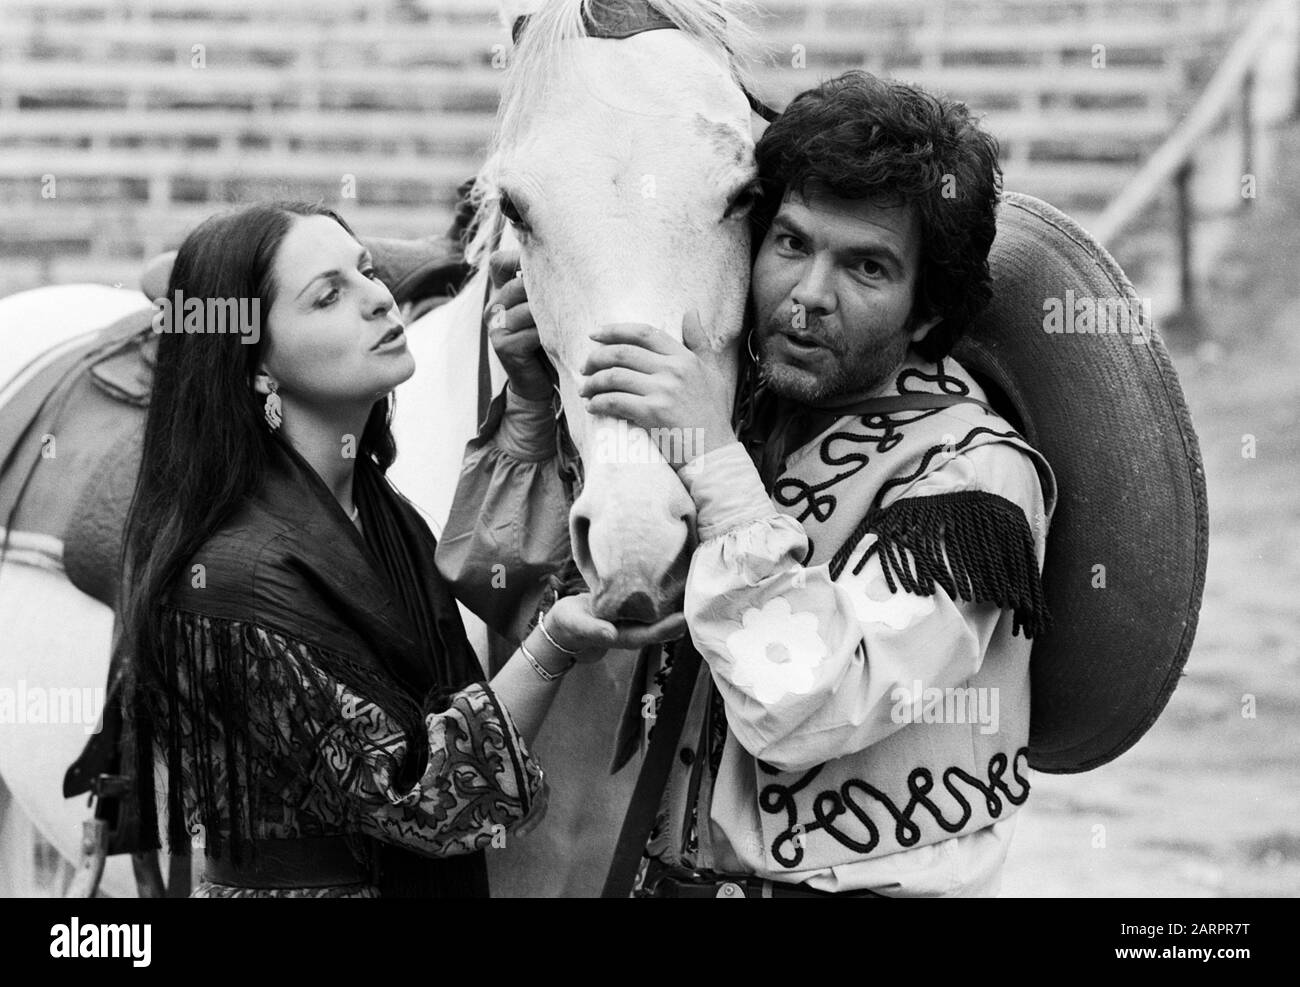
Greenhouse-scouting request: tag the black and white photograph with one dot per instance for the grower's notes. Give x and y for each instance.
(650, 449)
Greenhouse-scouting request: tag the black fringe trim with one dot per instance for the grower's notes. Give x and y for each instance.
(975, 545)
(216, 711)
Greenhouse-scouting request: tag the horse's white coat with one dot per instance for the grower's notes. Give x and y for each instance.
(52, 636)
(623, 174)
(437, 408)
(437, 412)
(37, 323)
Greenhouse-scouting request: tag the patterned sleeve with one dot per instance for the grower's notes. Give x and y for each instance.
(508, 528)
(809, 663)
(478, 780)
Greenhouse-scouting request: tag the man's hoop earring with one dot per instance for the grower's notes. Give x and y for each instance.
(749, 345)
(273, 409)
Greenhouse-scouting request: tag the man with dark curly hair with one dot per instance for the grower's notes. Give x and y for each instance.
(883, 154)
(867, 577)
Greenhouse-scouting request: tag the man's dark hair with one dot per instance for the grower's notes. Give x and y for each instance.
(861, 137)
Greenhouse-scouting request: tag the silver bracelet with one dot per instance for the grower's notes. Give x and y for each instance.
(541, 622)
(538, 667)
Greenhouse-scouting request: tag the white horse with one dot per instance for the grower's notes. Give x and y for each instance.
(53, 637)
(624, 166)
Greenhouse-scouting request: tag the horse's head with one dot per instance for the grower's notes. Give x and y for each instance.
(625, 168)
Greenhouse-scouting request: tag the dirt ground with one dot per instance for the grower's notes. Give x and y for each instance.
(1206, 804)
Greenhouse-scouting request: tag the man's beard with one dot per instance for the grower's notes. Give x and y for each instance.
(854, 373)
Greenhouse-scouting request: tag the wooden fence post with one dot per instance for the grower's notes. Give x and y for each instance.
(1183, 222)
(1247, 135)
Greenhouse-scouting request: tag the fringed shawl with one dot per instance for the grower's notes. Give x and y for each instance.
(375, 615)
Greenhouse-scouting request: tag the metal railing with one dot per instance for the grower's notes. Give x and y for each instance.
(1230, 92)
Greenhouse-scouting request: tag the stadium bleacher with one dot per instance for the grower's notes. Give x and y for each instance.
(151, 114)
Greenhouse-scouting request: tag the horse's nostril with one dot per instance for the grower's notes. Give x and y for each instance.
(638, 607)
(580, 544)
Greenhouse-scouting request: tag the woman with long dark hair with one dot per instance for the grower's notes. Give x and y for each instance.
(298, 666)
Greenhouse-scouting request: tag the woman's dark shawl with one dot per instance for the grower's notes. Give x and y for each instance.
(374, 609)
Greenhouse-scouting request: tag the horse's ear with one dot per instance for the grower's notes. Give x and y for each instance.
(156, 274)
(509, 10)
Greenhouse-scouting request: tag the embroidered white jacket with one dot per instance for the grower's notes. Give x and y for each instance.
(876, 739)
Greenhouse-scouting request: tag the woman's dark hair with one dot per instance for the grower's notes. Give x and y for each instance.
(861, 137)
(206, 445)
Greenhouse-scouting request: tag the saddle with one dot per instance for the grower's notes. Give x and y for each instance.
(90, 400)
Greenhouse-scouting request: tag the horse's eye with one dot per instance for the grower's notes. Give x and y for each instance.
(511, 212)
(744, 201)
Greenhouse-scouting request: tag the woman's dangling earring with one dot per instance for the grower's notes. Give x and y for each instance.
(273, 409)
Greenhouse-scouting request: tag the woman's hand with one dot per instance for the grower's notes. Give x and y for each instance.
(574, 627)
(528, 691)
(512, 331)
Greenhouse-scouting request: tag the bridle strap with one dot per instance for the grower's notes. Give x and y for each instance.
(642, 810)
(890, 404)
(484, 362)
(759, 107)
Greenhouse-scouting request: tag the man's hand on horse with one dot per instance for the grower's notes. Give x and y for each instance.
(512, 331)
(645, 376)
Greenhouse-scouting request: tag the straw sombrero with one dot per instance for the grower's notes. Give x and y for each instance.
(1127, 546)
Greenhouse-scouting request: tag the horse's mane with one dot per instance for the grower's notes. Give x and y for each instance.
(536, 64)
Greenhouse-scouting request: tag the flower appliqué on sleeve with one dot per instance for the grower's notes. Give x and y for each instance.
(776, 651)
(873, 600)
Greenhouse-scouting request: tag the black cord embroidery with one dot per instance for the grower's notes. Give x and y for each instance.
(885, 433)
(947, 384)
(939, 450)
(790, 491)
(830, 805)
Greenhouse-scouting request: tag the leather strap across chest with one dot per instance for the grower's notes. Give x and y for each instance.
(903, 402)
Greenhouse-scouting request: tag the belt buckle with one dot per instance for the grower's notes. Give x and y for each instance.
(723, 885)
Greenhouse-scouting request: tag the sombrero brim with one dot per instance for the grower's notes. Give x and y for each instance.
(1127, 546)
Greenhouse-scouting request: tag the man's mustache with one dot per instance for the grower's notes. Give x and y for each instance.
(816, 329)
